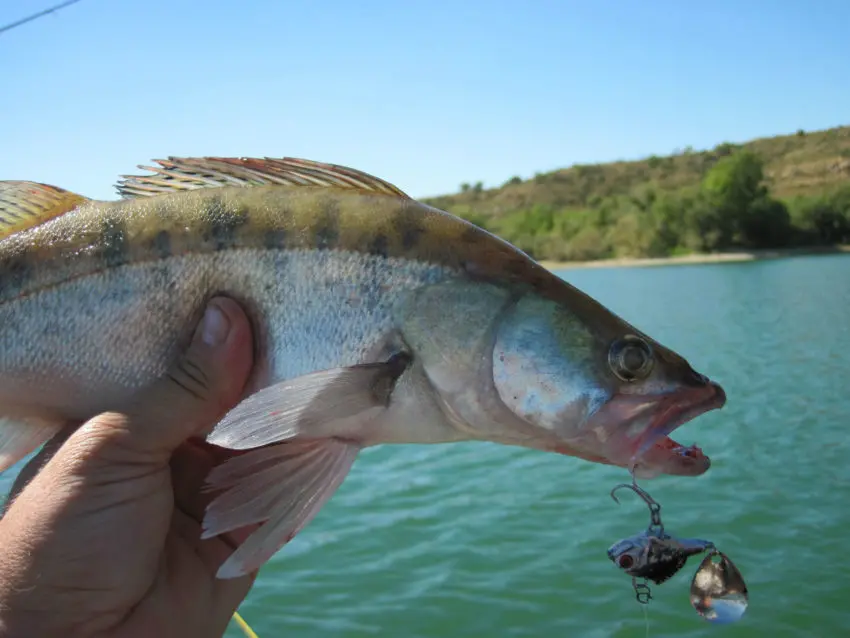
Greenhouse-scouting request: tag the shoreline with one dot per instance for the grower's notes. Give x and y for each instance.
(698, 258)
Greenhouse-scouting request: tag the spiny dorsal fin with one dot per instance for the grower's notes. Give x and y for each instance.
(189, 173)
(24, 205)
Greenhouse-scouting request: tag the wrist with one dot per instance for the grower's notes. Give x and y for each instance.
(29, 609)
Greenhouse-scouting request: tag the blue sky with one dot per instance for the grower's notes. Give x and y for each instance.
(426, 94)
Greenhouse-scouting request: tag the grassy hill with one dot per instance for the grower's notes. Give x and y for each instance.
(787, 190)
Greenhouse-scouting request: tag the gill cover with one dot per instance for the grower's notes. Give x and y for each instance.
(544, 366)
(449, 327)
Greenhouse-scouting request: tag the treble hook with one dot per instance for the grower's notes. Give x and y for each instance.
(642, 591)
(637, 489)
(651, 503)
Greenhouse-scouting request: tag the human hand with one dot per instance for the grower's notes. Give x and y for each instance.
(104, 539)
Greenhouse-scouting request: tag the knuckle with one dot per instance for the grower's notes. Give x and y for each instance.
(102, 428)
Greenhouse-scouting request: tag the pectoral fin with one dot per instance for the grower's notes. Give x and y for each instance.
(283, 487)
(323, 404)
(309, 426)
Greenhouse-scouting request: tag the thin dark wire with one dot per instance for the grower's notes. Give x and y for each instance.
(37, 15)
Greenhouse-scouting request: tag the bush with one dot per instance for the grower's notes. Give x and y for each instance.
(825, 219)
(731, 208)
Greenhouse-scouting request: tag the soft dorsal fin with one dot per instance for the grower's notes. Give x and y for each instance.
(189, 173)
(27, 204)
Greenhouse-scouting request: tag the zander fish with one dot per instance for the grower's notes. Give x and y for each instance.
(377, 319)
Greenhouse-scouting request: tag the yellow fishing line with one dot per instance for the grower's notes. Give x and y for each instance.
(244, 626)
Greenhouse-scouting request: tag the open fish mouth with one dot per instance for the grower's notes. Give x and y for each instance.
(636, 429)
(672, 412)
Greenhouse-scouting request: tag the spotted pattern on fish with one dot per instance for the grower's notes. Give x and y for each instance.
(410, 230)
(326, 228)
(223, 223)
(17, 270)
(230, 218)
(113, 246)
(274, 239)
(273, 217)
(161, 245)
(379, 245)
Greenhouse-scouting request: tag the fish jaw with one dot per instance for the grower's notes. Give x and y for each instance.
(632, 430)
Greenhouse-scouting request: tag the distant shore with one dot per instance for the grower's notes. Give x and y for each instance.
(698, 258)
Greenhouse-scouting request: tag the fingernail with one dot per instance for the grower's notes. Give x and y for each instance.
(214, 326)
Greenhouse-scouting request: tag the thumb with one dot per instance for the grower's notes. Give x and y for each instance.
(205, 382)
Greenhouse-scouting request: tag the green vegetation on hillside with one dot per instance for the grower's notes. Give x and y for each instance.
(769, 193)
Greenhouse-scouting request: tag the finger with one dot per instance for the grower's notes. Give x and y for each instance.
(190, 465)
(37, 462)
(225, 596)
(206, 381)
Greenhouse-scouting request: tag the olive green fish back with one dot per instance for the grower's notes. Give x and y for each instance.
(203, 205)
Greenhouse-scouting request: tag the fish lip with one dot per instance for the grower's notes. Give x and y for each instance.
(630, 430)
(675, 410)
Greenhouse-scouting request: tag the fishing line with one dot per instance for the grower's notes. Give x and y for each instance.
(40, 14)
(247, 629)
(646, 618)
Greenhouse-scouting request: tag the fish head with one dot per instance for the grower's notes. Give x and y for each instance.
(556, 371)
(597, 387)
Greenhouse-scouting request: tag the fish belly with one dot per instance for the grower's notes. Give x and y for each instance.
(84, 346)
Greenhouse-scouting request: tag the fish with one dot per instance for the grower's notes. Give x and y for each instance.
(377, 319)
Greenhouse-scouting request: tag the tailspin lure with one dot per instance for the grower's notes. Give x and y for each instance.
(718, 592)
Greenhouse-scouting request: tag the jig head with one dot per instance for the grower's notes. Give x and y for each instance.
(718, 592)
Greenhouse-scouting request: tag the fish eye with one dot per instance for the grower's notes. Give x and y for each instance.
(630, 358)
(625, 561)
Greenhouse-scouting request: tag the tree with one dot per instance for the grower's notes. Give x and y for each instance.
(766, 224)
(743, 212)
(735, 181)
(827, 217)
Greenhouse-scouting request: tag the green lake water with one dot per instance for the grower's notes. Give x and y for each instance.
(484, 540)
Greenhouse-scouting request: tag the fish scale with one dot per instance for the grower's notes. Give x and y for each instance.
(314, 310)
(229, 218)
(377, 319)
